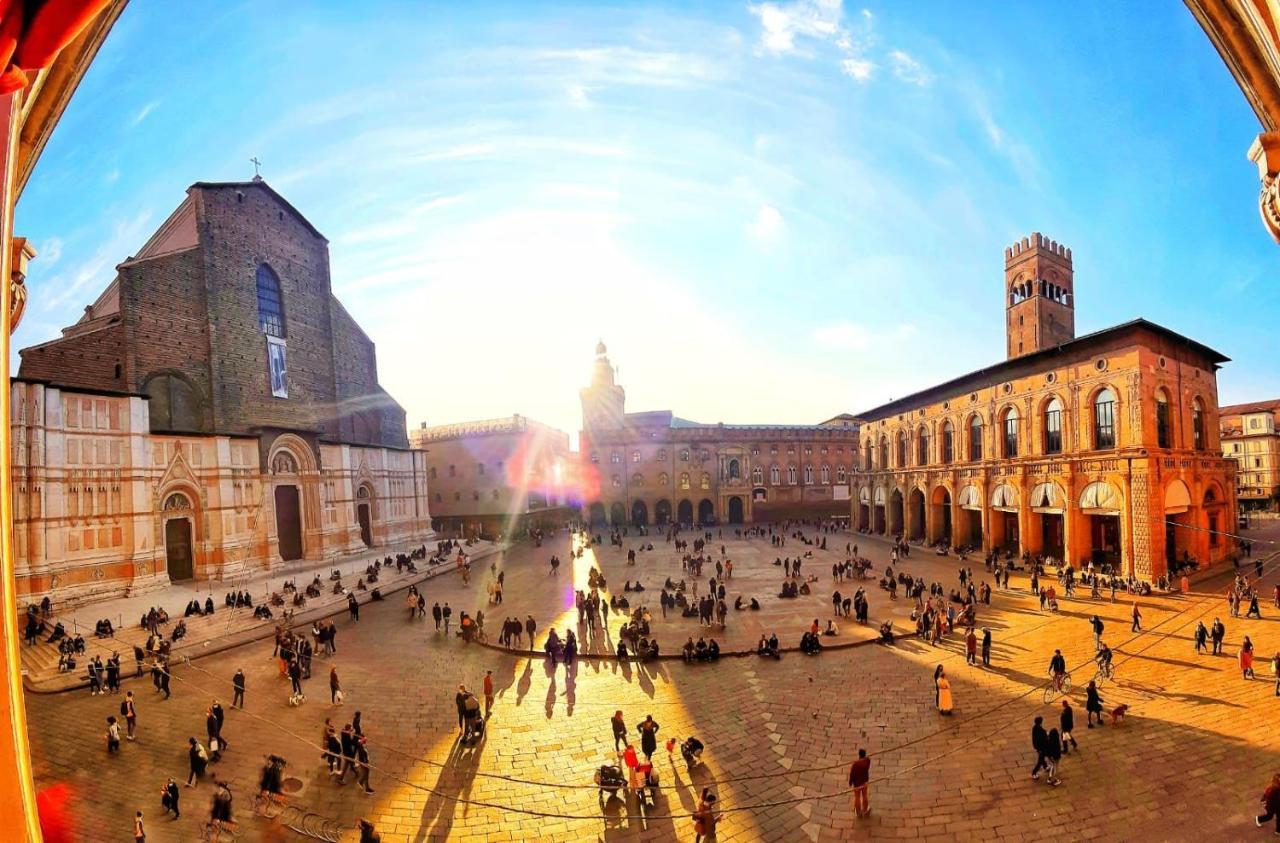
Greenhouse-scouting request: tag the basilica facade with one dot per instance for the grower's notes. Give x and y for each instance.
(1101, 447)
(215, 412)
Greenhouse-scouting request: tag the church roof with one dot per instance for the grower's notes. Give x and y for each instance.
(1270, 405)
(1002, 370)
(261, 183)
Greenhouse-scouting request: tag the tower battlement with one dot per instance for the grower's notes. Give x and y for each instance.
(1040, 295)
(1038, 242)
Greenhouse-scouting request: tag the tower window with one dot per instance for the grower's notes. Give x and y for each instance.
(270, 303)
(1164, 434)
(1053, 427)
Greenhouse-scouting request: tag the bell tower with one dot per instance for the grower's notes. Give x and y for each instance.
(603, 402)
(1040, 297)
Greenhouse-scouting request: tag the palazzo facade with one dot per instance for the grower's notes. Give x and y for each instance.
(215, 412)
(1102, 447)
(656, 468)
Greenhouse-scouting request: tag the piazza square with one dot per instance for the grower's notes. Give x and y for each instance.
(782, 421)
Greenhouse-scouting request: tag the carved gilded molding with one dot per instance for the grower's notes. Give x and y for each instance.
(1265, 152)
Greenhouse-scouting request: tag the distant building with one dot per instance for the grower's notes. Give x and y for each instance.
(216, 411)
(1100, 447)
(656, 468)
(1249, 437)
(498, 476)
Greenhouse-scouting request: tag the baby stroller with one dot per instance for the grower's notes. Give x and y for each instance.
(474, 720)
(609, 778)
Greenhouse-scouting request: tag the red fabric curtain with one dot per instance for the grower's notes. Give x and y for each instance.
(33, 32)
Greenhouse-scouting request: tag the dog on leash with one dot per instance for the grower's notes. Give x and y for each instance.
(1117, 714)
(299, 699)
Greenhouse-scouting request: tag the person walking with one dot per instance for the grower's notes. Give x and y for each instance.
(859, 780)
(1039, 739)
(129, 712)
(353, 606)
(295, 677)
(237, 684)
(436, 615)
(705, 817)
(1067, 722)
(530, 626)
(164, 677)
(169, 798)
(139, 833)
(971, 647)
(1202, 637)
(362, 764)
(448, 616)
(198, 758)
(1097, 625)
(113, 736)
(986, 647)
(1137, 619)
(1270, 804)
(1246, 659)
(648, 729)
(619, 731)
(1052, 757)
(1217, 634)
(1093, 703)
(488, 693)
(460, 700)
(335, 687)
(944, 694)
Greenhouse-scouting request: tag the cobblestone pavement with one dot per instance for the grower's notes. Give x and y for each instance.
(1188, 762)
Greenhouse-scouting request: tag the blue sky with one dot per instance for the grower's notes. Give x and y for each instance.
(771, 212)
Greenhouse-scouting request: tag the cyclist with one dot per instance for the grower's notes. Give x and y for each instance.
(1104, 659)
(220, 811)
(1057, 669)
(272, 779)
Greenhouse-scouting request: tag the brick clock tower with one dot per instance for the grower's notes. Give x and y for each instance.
(1040, 298)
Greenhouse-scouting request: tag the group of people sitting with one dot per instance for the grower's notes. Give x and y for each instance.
(643, 647)
(792, 589)
(237, 600)
(701, 651)
(768, 647)
(194, 608)
(154, 618)
(809, 643)
(627, 586)
(737, 603)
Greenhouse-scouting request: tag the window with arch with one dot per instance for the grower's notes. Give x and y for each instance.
(884, 453)
(975, 437)
(663, 479)
(1053, 426)
(684, 480)
(662, 455)
(271, 321)
(1164, 420)
(866, 456)
(617, 481)
(635, 456)
(1197, 425)
(826, 475)
(922, 446)
(684, 455)
(637, 480)
(841, 474)
(948, 443)
(704, 456)
(595, 458)
(706, 481)
(735, 470)
(775, 475)
(808, 474)
(902, 450)
(615, 457)
(791, 475)
(433, 472)
(1104, 419)
(1010, 430)
(757, 476)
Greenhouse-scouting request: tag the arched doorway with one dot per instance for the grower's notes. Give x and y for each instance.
(639, 514)
(596, 515)
(706, 512)
(617, 515)
(915, 531)
(970, 527)
(895, 513)
(877, 513)
(662, 513)
(735, 510)
(287, 495)
(179, 559)
(684, 512)
(364, 514)
(864, 508)
(1101, 503)
(941, 515)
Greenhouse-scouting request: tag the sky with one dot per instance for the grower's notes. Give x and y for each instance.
(771, 212)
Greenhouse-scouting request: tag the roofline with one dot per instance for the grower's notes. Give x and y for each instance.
(260, 182)
(890, 407)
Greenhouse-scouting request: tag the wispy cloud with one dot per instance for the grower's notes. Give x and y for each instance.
(786, 26)
(142, 113)
(1020, 156)
(50, 252)
(909, 69)
(859, 69)
(767, 223)
(96, 269)
(579, 96)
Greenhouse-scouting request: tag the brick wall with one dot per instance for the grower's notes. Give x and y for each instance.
(87, 360)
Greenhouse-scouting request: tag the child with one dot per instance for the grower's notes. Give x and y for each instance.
(113, 735)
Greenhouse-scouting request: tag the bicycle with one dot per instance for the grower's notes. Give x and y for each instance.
(269, 805)
(1052, 690)
(1106, 671)
(214, 831)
